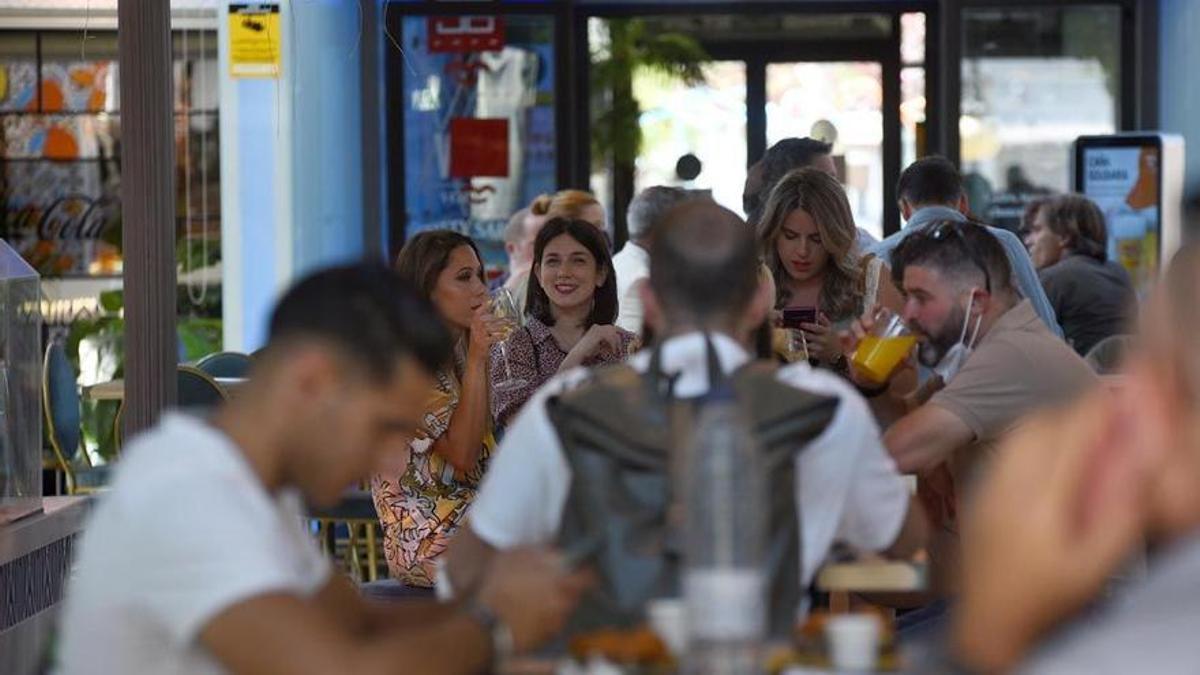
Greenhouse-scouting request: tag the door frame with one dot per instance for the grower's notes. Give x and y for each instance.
(886, 51)
(757, 55)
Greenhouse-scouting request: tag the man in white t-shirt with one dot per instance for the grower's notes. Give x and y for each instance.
(703, 279)
(196, 561)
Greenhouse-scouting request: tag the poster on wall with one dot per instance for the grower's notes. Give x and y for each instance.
(254, 38)
(478, 123)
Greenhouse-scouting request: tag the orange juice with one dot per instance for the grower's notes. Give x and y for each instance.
(876, 357)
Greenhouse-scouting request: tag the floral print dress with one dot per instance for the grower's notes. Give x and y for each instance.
(421, 509)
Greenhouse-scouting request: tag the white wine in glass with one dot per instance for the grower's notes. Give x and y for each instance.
(504, 307)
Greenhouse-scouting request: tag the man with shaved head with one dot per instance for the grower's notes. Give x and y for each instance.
(704, 293)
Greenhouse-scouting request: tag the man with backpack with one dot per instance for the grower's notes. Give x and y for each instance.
(704, 290)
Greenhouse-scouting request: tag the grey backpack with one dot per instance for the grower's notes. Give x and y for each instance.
(620, 433)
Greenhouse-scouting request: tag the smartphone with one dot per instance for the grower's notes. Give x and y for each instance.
(792, 318)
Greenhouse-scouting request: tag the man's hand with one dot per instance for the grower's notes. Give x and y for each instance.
(532, 592)
(1062, 508)
(848, 341)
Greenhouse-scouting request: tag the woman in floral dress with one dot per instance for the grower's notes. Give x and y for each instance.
(421, 506)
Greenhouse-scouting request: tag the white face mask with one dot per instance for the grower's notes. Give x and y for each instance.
(956, 357)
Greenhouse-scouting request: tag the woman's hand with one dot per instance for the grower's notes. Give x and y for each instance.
(487, 330)
(595, 341)
(823, 343)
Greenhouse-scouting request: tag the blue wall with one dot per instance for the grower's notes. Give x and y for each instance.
(292, 162)
(1179, 85)
(326, 97)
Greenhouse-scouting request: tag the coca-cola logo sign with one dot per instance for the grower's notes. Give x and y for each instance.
(61, 216)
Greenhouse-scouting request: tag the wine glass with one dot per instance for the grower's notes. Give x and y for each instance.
(503, 306)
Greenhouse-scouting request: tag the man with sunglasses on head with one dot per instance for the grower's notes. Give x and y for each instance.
(995, 361)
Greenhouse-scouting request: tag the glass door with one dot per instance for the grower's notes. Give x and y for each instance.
(691, 134)
(840, 103)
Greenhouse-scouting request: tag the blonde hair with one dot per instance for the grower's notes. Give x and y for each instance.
(822, 197)
(568, 204)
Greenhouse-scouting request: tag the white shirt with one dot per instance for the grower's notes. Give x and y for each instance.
(847, 486)
(186, 532)
(1148, 627)
(632, 265)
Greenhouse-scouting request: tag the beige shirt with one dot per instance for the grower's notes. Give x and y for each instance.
(1017, 368)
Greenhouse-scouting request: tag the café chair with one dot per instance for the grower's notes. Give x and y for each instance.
(1105, 356)
(197, 390)
(63, 417)
(355, 517)
(225, 364)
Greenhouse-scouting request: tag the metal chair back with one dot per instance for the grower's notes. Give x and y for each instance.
(225, 364)
(61, 411)
(197, 390)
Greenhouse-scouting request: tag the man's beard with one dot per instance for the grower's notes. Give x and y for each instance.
(935, 345)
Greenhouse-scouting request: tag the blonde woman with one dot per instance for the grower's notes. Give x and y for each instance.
(807, 237)
(572, 205)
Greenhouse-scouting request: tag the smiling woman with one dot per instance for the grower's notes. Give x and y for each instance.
(570, 310)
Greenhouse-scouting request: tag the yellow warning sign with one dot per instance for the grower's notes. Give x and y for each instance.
(254, 38)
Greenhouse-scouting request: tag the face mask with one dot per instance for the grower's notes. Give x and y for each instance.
(956, 357)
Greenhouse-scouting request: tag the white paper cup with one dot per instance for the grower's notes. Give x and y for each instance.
(853, 641)
(668, 619)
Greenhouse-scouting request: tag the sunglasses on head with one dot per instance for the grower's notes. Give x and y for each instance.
(954, 230)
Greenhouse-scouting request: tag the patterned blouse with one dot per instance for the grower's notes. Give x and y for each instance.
(535, 356)
(420, 509)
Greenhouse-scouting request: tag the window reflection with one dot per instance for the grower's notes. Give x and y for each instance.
(1032, 81)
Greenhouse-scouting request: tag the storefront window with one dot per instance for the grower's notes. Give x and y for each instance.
(913, 130)
(705, 122)
(1033, 79)
(60, 151)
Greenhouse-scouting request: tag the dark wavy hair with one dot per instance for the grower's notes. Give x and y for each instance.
(425, 256)
(604, 307)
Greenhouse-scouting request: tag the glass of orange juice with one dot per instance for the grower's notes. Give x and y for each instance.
(888, 344)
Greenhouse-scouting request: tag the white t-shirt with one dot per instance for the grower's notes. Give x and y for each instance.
(847, 486)
(186, 532)
(632, 265)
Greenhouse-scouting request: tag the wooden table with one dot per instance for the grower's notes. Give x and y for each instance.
(873, 576)
(114, 390)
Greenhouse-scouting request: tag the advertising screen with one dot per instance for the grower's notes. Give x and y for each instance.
(1125, 182)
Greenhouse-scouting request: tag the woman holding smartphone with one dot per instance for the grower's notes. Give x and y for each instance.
(807, 238)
